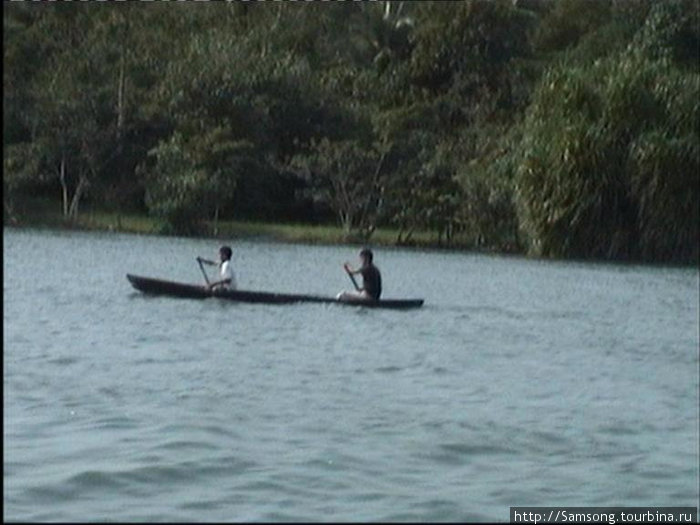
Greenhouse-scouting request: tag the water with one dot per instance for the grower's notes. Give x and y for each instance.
(519, 382)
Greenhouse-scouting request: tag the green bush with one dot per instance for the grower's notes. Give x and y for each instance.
(609, 164)
(666, 186)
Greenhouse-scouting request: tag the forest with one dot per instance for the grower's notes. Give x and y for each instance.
(553, 128)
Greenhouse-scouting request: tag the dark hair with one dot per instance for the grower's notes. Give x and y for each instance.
(226, 250)
(366, 252)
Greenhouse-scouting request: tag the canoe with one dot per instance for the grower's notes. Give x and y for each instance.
(152, 286)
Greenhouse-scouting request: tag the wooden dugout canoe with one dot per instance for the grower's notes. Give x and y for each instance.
(152, 286)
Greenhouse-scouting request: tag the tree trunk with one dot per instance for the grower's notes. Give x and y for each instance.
(75, 201)
(64, 186)
(346, 222)
(121, 86)
(120, 96)
(370, 206)
(404, 235)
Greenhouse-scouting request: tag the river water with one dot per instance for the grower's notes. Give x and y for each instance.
(520, 382)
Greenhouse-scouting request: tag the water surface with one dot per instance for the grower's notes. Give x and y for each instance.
(520, 382)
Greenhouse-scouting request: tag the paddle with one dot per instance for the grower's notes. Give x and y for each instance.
(352, 278)
(199, 260)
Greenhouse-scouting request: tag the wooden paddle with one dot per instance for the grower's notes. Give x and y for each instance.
(199, 260)
(352, 278)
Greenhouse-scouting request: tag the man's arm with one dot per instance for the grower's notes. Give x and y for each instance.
(207, 261)
(352, 272)
(349, 269)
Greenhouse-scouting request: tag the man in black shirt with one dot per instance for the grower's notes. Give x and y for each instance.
(371, 278)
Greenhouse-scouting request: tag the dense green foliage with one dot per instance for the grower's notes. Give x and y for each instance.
(609, 163)
(565, 128)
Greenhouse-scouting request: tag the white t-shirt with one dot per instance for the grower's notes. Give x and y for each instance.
(227, 273)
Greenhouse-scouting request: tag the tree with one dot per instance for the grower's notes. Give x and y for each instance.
(191, 180)
(73, 125)
(487, 210)
(77, 105)
(346, 175)
(609, 164)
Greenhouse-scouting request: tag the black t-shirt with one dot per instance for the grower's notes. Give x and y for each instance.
(372, 281)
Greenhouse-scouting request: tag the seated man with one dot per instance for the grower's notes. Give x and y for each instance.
(371, 279)
(228, 278)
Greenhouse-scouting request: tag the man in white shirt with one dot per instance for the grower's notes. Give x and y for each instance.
(228, 278)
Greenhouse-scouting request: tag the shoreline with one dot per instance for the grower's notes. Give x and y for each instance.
(293, 233)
